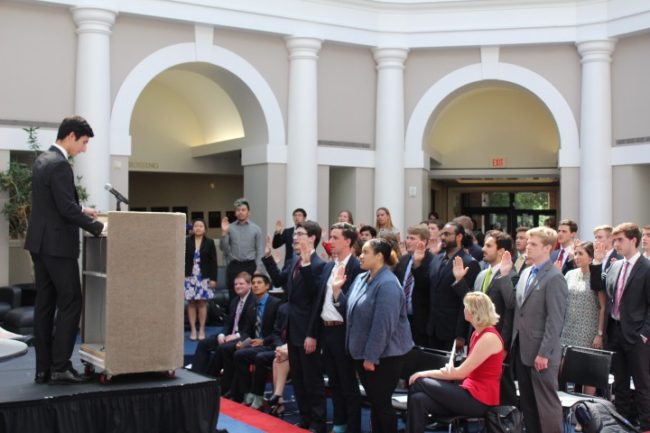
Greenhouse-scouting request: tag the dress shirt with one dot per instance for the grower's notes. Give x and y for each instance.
(243, 242)
(409, 298)
(494, 270)
(235, 326)
(630, 264)
(63, 151)
(330, 313)
(261, 305)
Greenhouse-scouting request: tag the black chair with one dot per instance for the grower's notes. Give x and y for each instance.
(582, 366)
(9, 299)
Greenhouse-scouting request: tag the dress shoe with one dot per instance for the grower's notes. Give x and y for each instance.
(318, 427)
(68, 376)
(42, 377)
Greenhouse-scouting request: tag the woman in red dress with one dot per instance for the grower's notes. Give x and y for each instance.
(436, 391)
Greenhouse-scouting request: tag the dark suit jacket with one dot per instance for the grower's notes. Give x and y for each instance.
(285, 238)
(446, 311)
(539, 316)
(420, 296)
(246, 326)
(56, 215)
(268, 319)
(279, 335)
(504, 326)
(208, 253)
(635, 302)
(568, 264)
(301, 294)
(352, 269)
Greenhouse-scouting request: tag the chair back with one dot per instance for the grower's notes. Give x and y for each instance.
(586, 366)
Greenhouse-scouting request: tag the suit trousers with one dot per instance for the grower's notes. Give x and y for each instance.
(307, 378)
(58, 289)
(419, 338)
(379, 386)
(539, 402)
(630, 361)
(439, 398)
(244, 382)
(232, 270)
(223, 360)
(339, 366)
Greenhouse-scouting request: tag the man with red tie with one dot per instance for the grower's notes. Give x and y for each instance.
(562, 257)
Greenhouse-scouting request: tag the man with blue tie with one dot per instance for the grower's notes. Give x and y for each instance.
(539, 302)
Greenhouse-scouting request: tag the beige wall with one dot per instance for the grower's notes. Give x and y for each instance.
(495, 122)
(264, 187)
(323, 197)
(631, 87)
(570, 193)
(197, 192)
(417, 206)
(4, 225)
(150, 34)
(559, 64)
(630, 194)
(352, 189)
(38, 53)
(266, 53)
(347, 84)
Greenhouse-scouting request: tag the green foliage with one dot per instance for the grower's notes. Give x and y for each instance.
(17, 181)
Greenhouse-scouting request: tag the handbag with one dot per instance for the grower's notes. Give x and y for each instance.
(504, 419)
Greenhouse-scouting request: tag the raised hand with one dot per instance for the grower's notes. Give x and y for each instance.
(338, 281)
(459, 269)
(225, 225)
(279, 226)
(268, 246)
(600, 251)
(305, 251)
(418, 254)
(506, 264)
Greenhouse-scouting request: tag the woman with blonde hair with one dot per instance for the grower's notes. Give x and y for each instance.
(384, 223)
(435, 392)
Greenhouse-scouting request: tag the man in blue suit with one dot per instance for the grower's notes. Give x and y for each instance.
(330, 326)
(301, 278)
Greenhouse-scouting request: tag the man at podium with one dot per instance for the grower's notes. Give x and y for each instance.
(53, 241)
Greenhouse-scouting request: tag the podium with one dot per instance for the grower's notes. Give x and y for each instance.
(132, 279)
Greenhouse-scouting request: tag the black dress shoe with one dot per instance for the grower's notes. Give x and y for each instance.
(68, 376)
(42, 377)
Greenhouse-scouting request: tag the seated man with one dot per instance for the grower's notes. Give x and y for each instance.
(250, 388)
(435, 391)
(239, 325)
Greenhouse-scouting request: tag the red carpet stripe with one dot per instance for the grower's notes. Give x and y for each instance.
(257, 419)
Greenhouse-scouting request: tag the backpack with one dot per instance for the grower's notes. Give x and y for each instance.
(600, 416)
(504, 419)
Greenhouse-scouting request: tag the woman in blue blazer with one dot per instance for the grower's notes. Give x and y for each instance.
(378, 332)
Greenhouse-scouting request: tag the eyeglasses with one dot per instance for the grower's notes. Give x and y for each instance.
(296, 234)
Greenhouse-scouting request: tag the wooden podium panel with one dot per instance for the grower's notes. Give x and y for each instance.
(134, 323)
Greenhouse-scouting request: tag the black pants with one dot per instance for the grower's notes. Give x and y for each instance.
(508, 396)
(441, 398)
(630, 361)
(208, 357)
(379, 386)
(307, 378)
(58, 289)
(262, 358)
(233, 269)
(339, 367)
(420, 338)
(539, 402)
(440, 344)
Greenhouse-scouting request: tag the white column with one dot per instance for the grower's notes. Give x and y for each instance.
(595, 136)
(302, 134)
(93, 99)
(389, 137)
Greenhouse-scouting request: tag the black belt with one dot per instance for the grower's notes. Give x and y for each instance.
(330, 323)
(242, 262)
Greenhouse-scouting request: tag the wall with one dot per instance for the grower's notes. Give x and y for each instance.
(570, 197)
(630, 194)
(4, 225)
(416, 206)
(39, 60)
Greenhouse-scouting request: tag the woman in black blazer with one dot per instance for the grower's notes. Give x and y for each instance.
(200, 276)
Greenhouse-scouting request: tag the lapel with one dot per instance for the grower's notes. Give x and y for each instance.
(613, 274)
(494, 277)
(478, 284)
(541, 274)
(633, 272)
(360, 289)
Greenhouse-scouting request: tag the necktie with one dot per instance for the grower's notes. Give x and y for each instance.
(531, 278)
(486, 281)
(258, 320)
(560, 257)
(296, 270)
(519, 262)
(240, 307)
(408, 286)
(616, 310)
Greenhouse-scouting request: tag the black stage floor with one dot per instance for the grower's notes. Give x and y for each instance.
(130, 403)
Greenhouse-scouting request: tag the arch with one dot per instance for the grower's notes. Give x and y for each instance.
(419, 123)
(165, 58)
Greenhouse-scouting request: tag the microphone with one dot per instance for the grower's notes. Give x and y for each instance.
(108, 187)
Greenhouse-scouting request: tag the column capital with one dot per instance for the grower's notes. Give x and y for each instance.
(390, 58)
(303, 47)
(596, 51)
(93, 20)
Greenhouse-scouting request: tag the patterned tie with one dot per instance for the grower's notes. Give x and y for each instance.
(258, 320)
(486, 281)
(560, 258)
(240, 308)
(408, 286)
(529, 281)
(616, 309)
(519, 262)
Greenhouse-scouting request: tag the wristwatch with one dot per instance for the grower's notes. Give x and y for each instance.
(600, 333)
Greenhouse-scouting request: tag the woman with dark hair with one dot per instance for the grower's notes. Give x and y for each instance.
(200, 276)
(378, 331)
(345, 216)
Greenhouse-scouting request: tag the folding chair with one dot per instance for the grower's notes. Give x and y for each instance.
(587, 367)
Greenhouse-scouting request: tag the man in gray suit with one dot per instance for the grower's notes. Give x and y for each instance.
(540, 302)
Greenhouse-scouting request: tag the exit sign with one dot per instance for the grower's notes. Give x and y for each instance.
(498, 162)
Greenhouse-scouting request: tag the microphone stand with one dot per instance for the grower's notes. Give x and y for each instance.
(118, 202)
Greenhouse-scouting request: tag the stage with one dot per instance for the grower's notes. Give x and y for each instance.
(130, 403)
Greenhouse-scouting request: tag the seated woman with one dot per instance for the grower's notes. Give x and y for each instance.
(434, 391)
